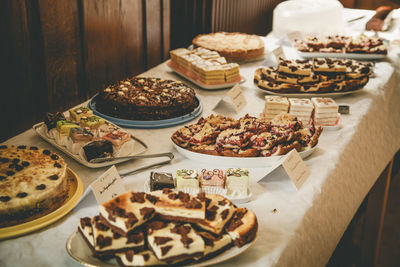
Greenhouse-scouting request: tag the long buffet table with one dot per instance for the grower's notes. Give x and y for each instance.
(296, 227)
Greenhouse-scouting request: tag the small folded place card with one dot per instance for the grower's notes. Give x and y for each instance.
(290, 165)
(108, 186)
(233, 102)
(279, 53)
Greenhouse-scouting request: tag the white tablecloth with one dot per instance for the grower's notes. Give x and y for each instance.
(308, 223)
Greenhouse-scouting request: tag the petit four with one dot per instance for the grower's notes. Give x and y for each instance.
(187, 179)
(301, 108)
(51, 119)
(77, 113)
(63, 130)
(161, 180)
(237, 181)
(326, 111)
(98, 149)
(117, 138)
(213, 178)
(78, 137)
(93, 122)
(275, 105)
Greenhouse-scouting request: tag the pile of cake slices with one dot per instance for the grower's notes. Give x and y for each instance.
(247, 137)
(88, 135)
(232, 182)
(321, 111)
(166, 227)
(204, 65)
(321, 75)
(342, 44)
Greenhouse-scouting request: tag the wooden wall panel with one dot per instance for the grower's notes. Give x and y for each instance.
(62, 53)
(153, 32)
(113, 41)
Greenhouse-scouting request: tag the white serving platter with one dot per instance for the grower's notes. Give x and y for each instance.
(138, 147)
(332, 94)
(248, 162)
(78, 249)
(205, 86)
(341, 55)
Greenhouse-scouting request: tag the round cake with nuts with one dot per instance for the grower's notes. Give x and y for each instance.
(33, 183)
(145, 99)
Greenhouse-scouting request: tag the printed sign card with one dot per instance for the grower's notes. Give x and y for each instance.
(233, 102)
(108, 186)
(279, 53)
(292, 166)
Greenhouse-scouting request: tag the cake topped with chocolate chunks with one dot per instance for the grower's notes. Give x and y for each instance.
(141, 98)
(128, 211)
(243, 227)
(33, 182)
(180, 206)
(174, 241)
(218, 212)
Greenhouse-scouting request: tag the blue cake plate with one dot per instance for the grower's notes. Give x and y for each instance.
(147, 124)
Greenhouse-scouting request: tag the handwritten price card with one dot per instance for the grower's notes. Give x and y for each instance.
(108, 186)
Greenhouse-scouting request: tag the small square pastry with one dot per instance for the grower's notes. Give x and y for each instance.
(180, 206)
(128, 211)
(214, 178)
(86, 230)
(219, 211)
(243, 227)
(174, 241)
(275, 105)
(63, 129)
(130, 258)
(93, 122)
(77, 113)
(326, 111)
(107, 242)
(301, 108)
(98, 149)
(117, 138)
(78, 137)
(161, 180)
(237, 181)
(328, 65)
(187, 179)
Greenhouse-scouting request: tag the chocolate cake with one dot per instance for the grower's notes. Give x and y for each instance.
(144, 99)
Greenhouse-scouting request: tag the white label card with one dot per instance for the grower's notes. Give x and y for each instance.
(279, 53)
(237, 97)
(291, 165)
(232, 103)
(108, 186)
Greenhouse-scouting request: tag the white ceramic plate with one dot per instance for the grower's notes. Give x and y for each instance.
(250, 162)
(138, 147)
(342, 55)
(332, 95)
(79, 251)
(206, 86)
